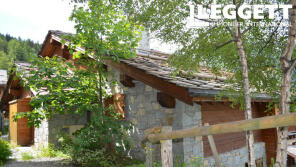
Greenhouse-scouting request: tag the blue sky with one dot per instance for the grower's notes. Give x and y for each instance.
(33, 18)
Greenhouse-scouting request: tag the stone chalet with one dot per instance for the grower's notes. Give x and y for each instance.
(153, 98)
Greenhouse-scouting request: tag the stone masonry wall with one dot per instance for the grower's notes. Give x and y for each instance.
(49, 129)
(143, 110)
(238, 157)
(62, 123)
(193, 147)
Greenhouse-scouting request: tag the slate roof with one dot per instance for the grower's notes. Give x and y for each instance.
(23, 66)
(153, 62)
(3, 77)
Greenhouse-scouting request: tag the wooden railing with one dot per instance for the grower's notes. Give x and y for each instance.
(165, 134)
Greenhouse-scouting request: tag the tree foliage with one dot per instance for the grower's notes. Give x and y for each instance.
(16, 49)
(80, 85)
(213, 46)
(252, 51)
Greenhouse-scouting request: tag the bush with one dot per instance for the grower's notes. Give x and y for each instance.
(4, 151)
(100, 143)
(51, 152)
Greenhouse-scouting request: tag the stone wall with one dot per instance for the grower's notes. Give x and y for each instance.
(143, 110)
(191, 117)
(63, 123)
(238, 157)
(49, 129)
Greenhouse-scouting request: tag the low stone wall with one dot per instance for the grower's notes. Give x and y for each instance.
(49, 129)
(63, 123)
(238, 157)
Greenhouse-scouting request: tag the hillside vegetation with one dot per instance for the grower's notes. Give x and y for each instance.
(16, 49)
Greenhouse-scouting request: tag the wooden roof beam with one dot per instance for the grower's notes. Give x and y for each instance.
(171, 89)
(224, 99)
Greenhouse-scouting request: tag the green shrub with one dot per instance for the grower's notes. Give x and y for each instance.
(26, 156)
(100, 143)
(4, 151)
(65, 143)
(51, 152)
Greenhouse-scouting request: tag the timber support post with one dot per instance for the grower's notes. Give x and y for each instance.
(166, 149)
(214, 149)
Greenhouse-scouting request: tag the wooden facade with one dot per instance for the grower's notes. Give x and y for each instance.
(220, 112)
(19, 131)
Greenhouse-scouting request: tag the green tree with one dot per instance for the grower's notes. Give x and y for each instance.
(3, 44)
(62, 88)
(105, 34)
(16, 49)
(5, 61)
(251, 52)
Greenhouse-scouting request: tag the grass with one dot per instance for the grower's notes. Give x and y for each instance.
(51, 152)
(27, 156)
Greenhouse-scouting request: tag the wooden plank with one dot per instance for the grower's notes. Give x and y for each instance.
(209, 99)
(229, 127)
(13, 125)
(166, 149)
(224, 99)
(153, 81)
(214, 149)
(148, 154)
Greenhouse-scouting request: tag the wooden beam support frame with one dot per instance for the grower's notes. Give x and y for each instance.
(229, 127)
(224, 99)
(171, 89)
(214, 149)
